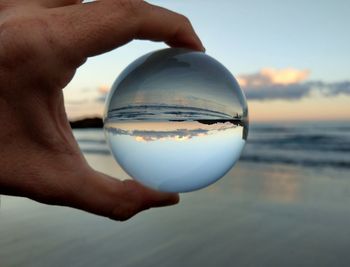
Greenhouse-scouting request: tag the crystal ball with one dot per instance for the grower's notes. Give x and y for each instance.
(176, 120)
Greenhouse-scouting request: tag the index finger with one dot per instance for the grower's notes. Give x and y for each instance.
(94, 28)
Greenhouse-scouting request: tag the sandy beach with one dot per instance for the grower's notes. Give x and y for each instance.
(258, 215)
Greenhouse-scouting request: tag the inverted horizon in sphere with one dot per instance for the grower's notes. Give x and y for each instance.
(176, 120)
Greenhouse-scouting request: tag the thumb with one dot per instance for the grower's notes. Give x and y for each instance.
(118, 200)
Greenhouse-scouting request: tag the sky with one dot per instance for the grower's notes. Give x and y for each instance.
(291, 58)
(167, 158)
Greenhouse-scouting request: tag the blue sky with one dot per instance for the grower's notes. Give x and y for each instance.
(247, 37)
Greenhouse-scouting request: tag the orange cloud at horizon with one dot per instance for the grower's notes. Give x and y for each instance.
(316, 108)
(103, 89)
(285, 76)
(268, 76)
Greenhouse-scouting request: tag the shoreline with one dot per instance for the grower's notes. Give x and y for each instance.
(266, 215)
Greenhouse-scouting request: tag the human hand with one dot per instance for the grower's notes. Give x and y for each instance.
(42, 43)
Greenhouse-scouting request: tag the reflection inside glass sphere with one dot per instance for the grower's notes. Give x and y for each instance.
(176, 120)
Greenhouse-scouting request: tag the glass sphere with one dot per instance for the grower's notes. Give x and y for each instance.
(176, 120)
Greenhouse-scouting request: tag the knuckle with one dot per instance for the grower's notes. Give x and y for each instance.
(130, 6)
(8, 43)
(129, 203)
(17, 47)
(32, 42)
(122, 213)
(185, 20)
(184, 24)
(59, 40)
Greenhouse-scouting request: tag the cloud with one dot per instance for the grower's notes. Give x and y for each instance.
(267, 84)
(270, 76)
(288, 84)
(176, 134)
(102, 93)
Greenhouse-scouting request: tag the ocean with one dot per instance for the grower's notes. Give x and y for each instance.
(285, 203)
(320, 144)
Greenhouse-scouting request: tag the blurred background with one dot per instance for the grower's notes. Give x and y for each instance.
(285, 203)
(291, 57)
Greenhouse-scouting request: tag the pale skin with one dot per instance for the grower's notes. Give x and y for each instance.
(42, 43)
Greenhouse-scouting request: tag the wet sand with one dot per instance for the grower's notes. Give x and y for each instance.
(258, 215)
